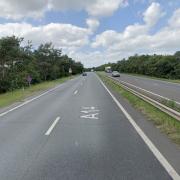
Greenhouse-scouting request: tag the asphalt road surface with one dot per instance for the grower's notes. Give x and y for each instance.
(162, 88)
(75, 132)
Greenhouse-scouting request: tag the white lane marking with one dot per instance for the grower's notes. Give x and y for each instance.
(89, 112)
(171, 171)
(75, 92)
(91, 108)
(90, 116)
(29, 101)
(52, 126)
(147, 78)
(146, 90)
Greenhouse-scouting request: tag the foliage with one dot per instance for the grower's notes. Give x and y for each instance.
(17, 62)
(167, 66)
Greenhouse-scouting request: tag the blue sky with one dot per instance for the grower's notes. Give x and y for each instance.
(96, 31)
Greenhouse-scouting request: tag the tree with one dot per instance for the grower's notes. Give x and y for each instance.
(155, 65)
(9, 53)
(17, 62)
(177, 55)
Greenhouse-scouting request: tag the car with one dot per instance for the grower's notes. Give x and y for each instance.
(115, 74)
(84, 74)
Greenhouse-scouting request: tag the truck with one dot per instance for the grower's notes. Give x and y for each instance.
(108, 69)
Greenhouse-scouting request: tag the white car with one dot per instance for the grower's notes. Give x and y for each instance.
(115, 74)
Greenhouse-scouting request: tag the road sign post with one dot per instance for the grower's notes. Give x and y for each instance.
(29, 80)
(70, 71)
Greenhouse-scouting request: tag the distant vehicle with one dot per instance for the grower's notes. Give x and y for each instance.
(92, 70)
(84, 74)
(115, 74)
(108, 69)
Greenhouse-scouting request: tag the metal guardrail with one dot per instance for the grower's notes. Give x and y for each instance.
(152, 100)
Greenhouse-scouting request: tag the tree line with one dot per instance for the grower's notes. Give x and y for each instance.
(21, 63)
(161, 66)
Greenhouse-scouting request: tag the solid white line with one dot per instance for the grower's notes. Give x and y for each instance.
(52, 126)
(146, 90)
(30, 100)
(75, 92)
(171, 171)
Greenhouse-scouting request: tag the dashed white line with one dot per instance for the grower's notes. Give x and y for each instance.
(30, 100)
(171, 171)
(52, 126)
(75, 92)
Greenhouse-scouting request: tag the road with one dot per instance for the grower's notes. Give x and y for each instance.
(76, 132)
(162, 88)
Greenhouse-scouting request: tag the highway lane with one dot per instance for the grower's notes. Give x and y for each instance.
(163, 88)
(22, 131)
(91, 140)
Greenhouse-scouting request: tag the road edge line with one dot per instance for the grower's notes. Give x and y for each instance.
(168, 167)
(30, 100)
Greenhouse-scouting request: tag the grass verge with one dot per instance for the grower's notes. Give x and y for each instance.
(171, 104)
(152, 77)
(20, 94)
(161, 120)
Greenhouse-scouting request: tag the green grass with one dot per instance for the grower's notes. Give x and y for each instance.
(18, 95)
(152, 77)
(171, 104)
(161, 120)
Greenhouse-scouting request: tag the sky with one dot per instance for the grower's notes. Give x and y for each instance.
(95, 31)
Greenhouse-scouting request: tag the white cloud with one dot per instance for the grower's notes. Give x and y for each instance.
(104, 7)
(110, 38)
(65, 36)
(70, 4)
(96, 58)
(135, 30)
(175, 19)
(89, 59)
(131, 32)
(153, 14)
(93, 24)
(138, 39)
(17, 9)
(106, 39)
